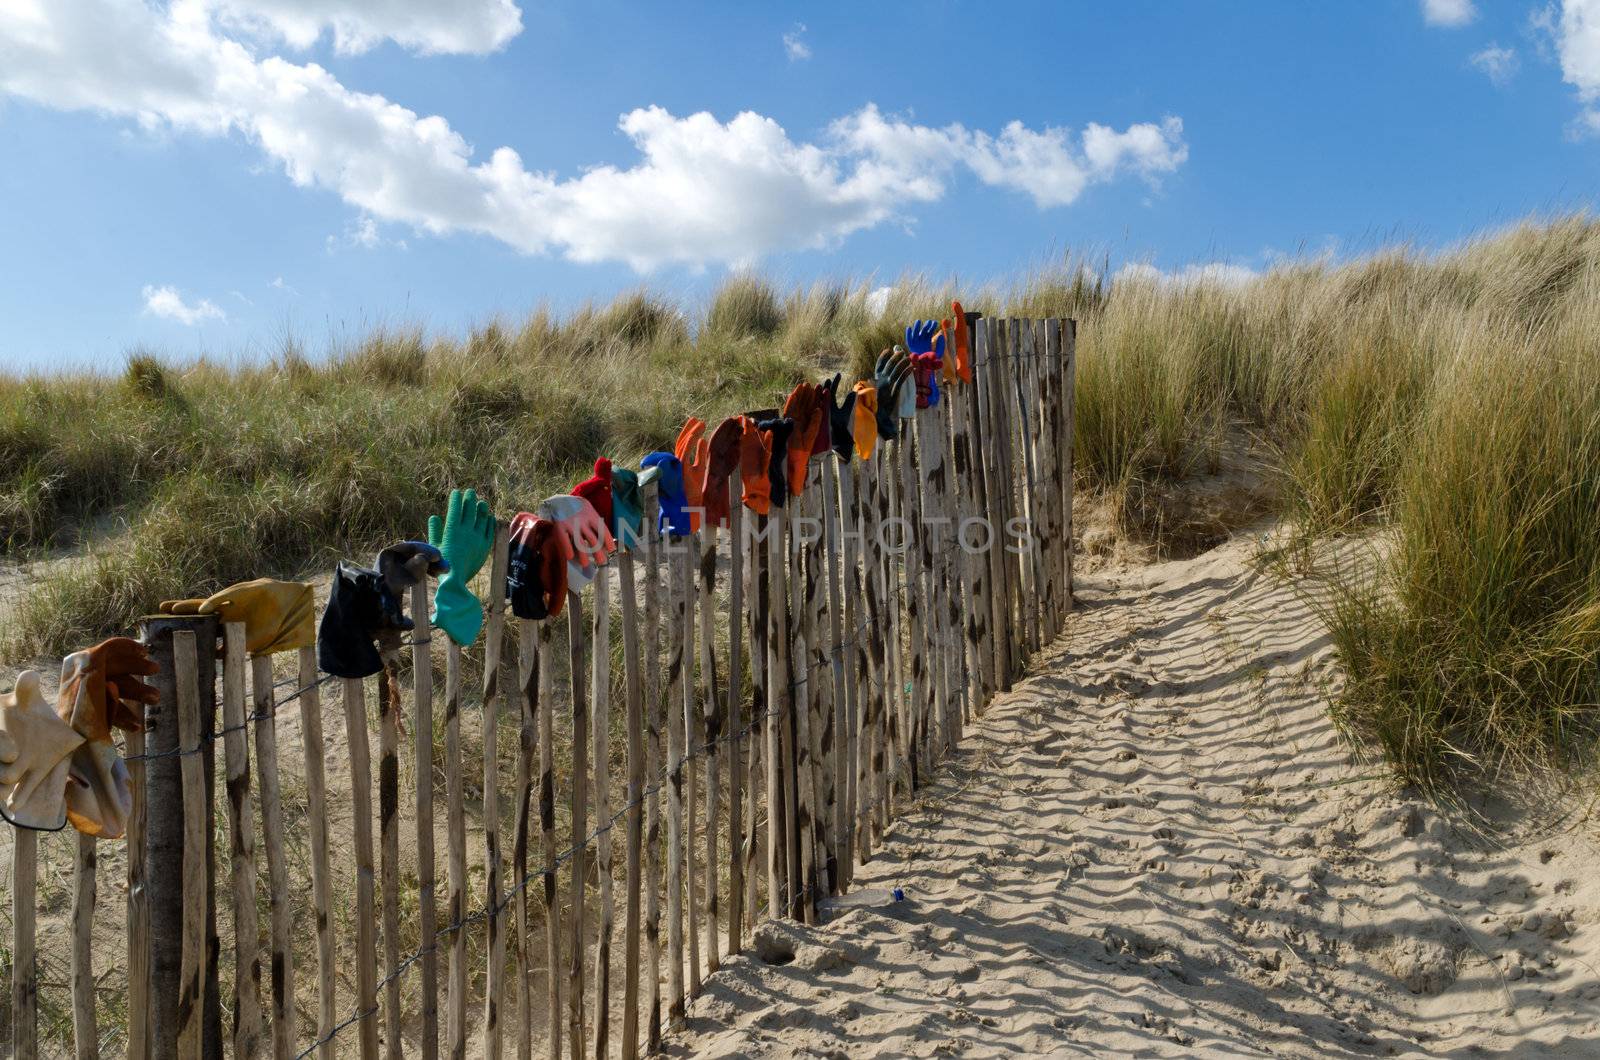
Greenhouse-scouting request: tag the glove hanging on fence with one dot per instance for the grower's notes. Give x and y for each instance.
(777, 432)
(947, 367)
(961, 341)
(103, 688)
(584, 537)
(889, 377)
(99, 791)
(839, 418)
(627, 508)
(403, 566)
(35, 755)
(277, 616)
(353, 618)
(669, 491)
(464, 536)
(596, 489)
(755, 457)
(694, 453)
(724, 449)
(536, 574)
(804, 410)
(865, 418)
(925, 340)
(824, 439)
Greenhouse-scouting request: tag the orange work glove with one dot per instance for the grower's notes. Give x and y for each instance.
(754, 454)
(101, 688)
(805, 409)
(961, 343)
(947, 364)
(866, 422)
(694, 453)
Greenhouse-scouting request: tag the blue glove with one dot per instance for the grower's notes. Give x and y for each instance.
(670, 492)
(920, 337)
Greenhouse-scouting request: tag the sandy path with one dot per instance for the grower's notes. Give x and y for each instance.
(1156, 846)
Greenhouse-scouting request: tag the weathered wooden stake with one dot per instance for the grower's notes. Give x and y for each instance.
(634, 684)
(427, 897)
(493, 661)
(85, 1031)
(455, 856)
(317, 825)
(241, 841)
(600, 727)
(192, 980)
(355, 723)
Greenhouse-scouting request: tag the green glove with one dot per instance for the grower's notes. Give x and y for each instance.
(464, 536)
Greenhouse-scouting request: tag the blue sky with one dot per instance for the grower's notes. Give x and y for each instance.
(210, 175)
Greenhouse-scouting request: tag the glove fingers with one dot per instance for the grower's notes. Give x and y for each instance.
(181, 607)
(435, 531)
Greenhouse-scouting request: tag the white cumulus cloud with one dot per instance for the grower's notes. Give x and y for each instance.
(425, 26)
(794, 43)
(1217, 274)
(702, 190)
(167, 303)
(1498, 64)
(1448, 12)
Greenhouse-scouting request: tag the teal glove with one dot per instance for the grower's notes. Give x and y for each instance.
(627, 508)
(464, 536)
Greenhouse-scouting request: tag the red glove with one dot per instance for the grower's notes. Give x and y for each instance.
(724, 458)
(596, 489)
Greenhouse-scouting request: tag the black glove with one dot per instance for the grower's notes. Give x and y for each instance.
(401, 567)
(779, 427)
(354, 617)
(841, 423)
(890, 375)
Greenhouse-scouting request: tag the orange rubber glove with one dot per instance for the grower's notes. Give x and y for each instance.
(694, 453)
(961, 343)
(99, 791)
(755, 452)
(866, 422)
(803, 407)
(101, 688)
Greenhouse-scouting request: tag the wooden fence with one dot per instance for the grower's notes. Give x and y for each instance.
(768, 696)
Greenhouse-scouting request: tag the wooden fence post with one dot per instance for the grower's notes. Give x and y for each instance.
(191, 976)
(527, 742)
(756, 606)
(355, 724)
(576, 1035)
(389, 842)
(735, 722)
(317, 823)
(138, 907)
(455, 855)
(689, 712)
(265, 712)
(839, 762)
(241, 833)
(493, 661)
(547, 835)
(24, 963)
(677, 598)
(600, 726)
(650, 550)
(164, 834)
(711, 715)
(427, 897)
(634, 685)
(85, 1031)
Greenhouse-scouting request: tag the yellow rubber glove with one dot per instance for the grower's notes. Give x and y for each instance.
(277, 616)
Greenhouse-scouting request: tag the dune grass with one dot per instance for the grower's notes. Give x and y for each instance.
(1450, 396)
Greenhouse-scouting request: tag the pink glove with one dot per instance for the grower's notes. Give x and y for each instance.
(586, 535)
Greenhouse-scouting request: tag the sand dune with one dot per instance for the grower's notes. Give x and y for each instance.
(1156, 845)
